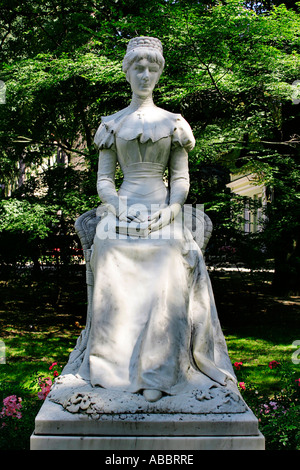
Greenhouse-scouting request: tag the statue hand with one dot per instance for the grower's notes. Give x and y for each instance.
(130, 215)
(163, 217)
(125, 213)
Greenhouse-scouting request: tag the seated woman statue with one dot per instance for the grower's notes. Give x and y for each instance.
(154, 328)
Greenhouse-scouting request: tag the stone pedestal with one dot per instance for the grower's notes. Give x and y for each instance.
(57, 429)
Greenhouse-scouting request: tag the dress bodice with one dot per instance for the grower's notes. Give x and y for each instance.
(144, 140)
(134, 151)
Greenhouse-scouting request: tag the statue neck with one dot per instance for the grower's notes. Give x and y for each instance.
(140, 102)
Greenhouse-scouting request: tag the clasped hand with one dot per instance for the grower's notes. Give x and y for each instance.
(156, 221)
(163, 217)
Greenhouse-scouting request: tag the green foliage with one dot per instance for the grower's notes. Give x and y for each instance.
(230, 70)
(21, 216)
(41, 216)
(277, 412)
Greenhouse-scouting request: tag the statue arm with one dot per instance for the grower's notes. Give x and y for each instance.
(107, 190)
(179, 188)
(179, 176)
(106, 179)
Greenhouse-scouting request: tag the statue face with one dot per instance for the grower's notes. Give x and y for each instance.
(143, 76)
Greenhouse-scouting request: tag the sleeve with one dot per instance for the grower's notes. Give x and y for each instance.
(104, 137)
(183, 142)
(105, 142)
(106, 178)
(179, 176)
(183, 135)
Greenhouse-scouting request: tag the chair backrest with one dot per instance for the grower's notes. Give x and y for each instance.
(199, 224)
(85, 227)
(195, 220)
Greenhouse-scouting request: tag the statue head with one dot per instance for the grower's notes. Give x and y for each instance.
(144, 48)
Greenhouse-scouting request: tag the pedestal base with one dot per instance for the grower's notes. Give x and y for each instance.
(113, 443)
(57, 429)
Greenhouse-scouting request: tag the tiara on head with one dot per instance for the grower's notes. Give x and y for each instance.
(145, 42)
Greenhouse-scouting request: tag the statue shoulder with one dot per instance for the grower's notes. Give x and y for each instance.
(104, 137)
(183, 134)
(115, 117)
(168, 115)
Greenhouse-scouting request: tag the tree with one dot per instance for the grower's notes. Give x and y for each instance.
(230, 69)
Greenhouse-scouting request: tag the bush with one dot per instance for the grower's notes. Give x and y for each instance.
(278, 414)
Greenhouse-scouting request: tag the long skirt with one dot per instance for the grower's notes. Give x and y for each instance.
(154, 322)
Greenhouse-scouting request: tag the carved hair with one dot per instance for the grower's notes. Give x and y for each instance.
(144, 48)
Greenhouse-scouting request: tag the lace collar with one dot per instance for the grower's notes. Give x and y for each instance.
(144, 123)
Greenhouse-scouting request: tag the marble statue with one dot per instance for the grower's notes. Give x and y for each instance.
(153, 333)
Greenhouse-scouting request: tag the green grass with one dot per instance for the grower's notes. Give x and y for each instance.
(261, 327)
(41, 318)
(256, 354)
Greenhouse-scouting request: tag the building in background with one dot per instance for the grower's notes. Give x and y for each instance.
(245, 185)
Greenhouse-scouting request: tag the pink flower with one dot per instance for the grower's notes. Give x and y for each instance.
(238, 365)
(298, 380)
(273, 364)
(242, 385)
(12, 406)
(45, 385)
